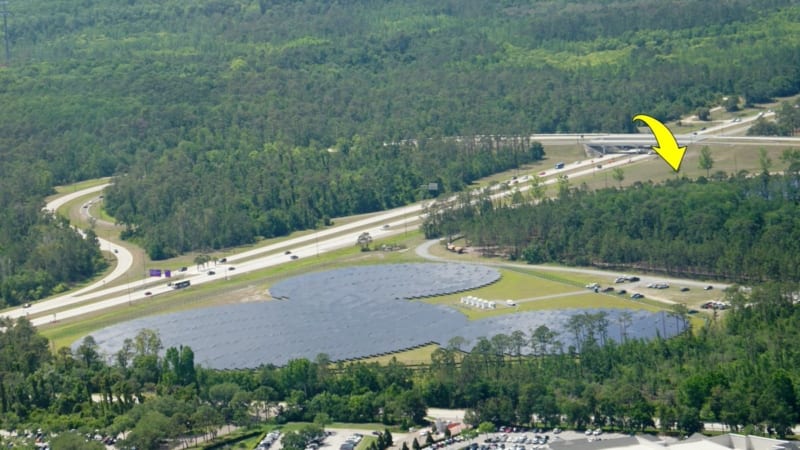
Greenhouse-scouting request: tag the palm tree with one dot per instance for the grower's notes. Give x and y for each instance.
(364, 240)
(201, 260)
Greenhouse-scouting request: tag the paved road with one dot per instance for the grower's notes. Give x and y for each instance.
(604, 277)
(333, 238)
(124, 263)
(306, 246)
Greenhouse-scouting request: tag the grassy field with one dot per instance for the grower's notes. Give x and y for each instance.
(532, 290)
(553, 153)
(362, 426)
(727, 158)
(416, 356)
(252, 442)
(568, 282)
(365, 442)
(68, 188)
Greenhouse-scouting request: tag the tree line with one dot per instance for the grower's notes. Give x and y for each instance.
(737, 369)
(739, 227)
(40, 255)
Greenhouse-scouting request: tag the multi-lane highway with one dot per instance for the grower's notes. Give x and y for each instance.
(95, 297)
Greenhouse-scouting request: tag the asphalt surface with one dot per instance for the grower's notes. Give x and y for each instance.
(341, 236)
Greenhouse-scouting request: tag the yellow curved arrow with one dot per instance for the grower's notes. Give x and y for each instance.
(667, 147)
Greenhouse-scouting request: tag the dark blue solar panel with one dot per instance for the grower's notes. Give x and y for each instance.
(350, 313)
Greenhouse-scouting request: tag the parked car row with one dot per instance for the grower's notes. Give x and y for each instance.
(444, 443)
(609, 289)
(714, 304)
(624, 278)
(509, 440)
(518, 441)
(351, 442)
(268, 440)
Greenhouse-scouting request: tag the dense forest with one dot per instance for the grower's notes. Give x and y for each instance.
(738, 227)
(739, 370)
(272, 191)
(184, 100)
(40, 254)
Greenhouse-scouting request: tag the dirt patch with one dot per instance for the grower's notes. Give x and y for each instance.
(246, 294)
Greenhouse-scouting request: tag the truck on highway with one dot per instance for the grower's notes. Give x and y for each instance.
(181, 284)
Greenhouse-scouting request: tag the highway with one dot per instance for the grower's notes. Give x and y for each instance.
(95, 297)
(124, 264)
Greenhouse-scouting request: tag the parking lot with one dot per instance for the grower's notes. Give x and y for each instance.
(338, 436)
(523, 440)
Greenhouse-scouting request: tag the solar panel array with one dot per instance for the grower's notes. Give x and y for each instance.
(348, 313)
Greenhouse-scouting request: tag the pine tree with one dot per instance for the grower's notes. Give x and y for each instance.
(387, 437)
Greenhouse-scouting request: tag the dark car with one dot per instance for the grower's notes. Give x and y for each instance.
(684, 289)
(608, 289)
(223, 260)
(183, 269)
(231, 268)
(148, 293)
(211, 272)
(637, 296)
(633, 279)
(295, 257)
(622, 292)
(708, 288)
